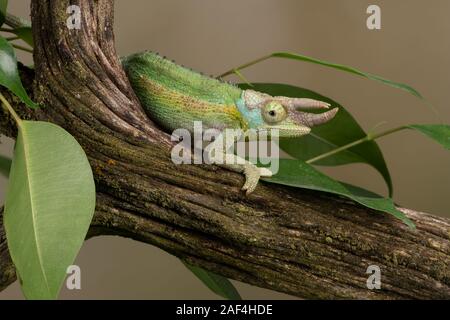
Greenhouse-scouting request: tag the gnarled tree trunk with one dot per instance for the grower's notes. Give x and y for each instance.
(303, 243)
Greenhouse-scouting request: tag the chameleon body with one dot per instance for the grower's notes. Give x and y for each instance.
(174, 97)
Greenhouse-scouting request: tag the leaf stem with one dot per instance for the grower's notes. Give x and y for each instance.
(16, 22)
(12, 38)
(251, 63)
(22, 48)
(10, 109)
(240, 75)
(369, 137)
(7, 30)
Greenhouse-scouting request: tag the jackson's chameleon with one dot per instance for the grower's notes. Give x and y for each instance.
(174, 97)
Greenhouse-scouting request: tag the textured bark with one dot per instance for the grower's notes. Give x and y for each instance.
(300, 242)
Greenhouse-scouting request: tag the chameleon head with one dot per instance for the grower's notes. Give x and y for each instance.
(265, 112)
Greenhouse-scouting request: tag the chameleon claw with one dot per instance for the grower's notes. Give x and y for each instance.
(249, 189)
(252, 175)
(264, 172)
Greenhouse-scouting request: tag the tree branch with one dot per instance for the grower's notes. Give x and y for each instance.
(300, 242)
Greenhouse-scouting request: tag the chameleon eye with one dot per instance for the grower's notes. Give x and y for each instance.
(273, 112)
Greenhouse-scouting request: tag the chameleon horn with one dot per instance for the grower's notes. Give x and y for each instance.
(303, 103)
(311, 119)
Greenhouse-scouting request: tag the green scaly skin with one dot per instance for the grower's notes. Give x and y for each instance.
(174, 97)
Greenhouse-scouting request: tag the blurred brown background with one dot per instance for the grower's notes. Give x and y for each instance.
(413, 46)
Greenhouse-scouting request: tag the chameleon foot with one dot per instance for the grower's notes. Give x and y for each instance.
(252, 174)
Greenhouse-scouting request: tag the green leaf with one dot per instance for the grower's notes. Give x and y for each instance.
(9, 75)
(5, 165)
(299, 57)
(358, 191)
(438, 132)
(25, 34)
(296, 173)
(50, 202)
(216, 283)
(3, 7)
(342, 130)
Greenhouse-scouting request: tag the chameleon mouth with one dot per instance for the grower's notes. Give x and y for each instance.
(288, 130)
